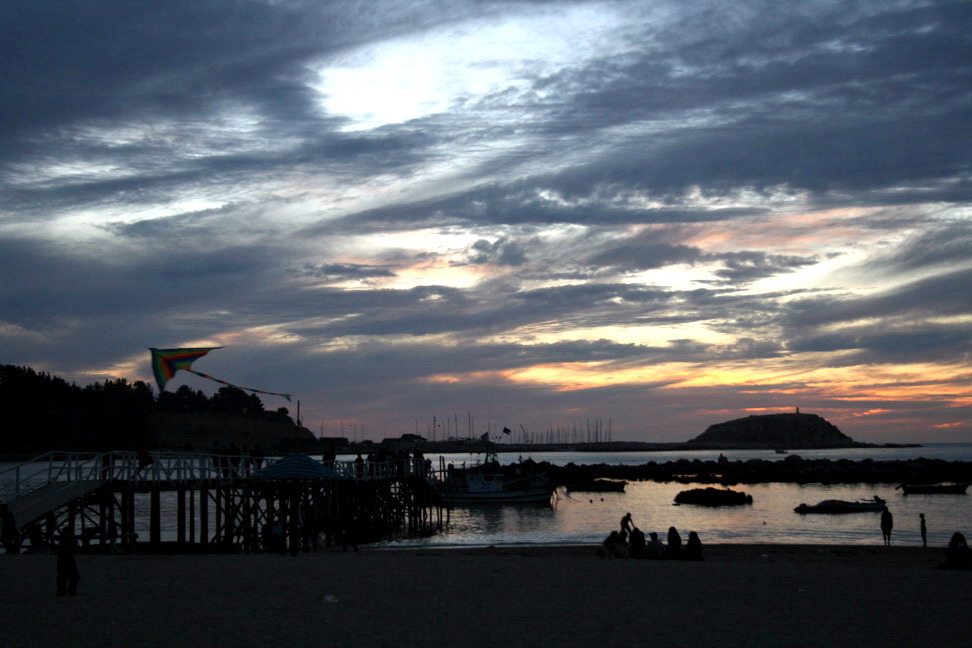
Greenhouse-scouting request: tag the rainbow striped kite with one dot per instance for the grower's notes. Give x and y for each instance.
(166, 362)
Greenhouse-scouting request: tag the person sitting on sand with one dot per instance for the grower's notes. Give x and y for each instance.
(636, 543)
(958, 554)
(655, 547)
(674, 543)
(693, 548)
(613, 547)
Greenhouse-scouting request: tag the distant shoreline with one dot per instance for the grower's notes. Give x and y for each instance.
(479, 447)
(475, 446)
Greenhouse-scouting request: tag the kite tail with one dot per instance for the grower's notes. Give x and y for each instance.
(249, 389)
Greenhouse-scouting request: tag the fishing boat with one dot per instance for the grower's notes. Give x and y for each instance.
(489, 482)
(933, 489)
(835, 506)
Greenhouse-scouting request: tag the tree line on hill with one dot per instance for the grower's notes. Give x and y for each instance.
(41, 412)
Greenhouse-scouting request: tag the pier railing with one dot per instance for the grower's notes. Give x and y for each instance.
(174, 468)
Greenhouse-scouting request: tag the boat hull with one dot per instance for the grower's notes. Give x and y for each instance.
(534, 495)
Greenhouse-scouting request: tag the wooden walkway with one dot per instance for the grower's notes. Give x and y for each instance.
(38, 503)
(217, 501)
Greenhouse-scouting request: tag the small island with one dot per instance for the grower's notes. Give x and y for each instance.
(771, 431)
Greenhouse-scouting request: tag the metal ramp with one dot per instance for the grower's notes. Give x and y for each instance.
(38, 503)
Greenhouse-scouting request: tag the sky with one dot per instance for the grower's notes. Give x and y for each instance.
(537, 215)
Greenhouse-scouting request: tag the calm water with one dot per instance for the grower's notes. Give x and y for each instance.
(586, 518)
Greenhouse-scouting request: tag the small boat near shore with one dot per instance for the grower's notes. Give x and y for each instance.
(933, 489)
(835, 506)
(489, 483)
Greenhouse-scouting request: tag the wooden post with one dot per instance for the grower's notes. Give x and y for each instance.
(128, 516)
(192, 516)
(181, 515)
(155, 519)
(203, 516)
(218, 531)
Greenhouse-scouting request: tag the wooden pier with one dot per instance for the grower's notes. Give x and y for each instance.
(197, 502)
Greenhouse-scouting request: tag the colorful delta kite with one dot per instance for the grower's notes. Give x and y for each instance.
(166, 362)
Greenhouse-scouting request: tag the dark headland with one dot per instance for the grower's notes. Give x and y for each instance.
(790, 431)
(44, 413)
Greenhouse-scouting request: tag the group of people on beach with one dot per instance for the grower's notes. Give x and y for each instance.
(630, 542)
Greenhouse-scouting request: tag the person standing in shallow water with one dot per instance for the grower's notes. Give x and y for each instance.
(887, 523)
(626, 523)
(924, 530)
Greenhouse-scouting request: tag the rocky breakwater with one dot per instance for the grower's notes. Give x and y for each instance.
(793, 469)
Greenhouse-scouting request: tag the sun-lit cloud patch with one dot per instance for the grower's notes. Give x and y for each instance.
(872, 412)
(377, 84)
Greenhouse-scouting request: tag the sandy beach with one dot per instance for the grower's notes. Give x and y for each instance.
(741, 595)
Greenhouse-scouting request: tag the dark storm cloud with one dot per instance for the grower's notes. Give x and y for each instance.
(635, 255)
(689, 123)
(937, 244)
(516, 205)
(76, 66)
(344, 271)
(929, 343)
(502, 252)
(821, 106)
(744, 267)
(943, 295)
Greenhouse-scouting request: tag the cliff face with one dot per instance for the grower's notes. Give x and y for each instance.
(176, 431)
(776, 431)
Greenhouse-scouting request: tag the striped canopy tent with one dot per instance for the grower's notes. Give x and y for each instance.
(295, 466)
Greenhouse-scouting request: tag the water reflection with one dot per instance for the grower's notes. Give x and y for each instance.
(588, 517)
(501, 523)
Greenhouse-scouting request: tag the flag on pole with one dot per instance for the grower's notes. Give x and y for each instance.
(507, 430)
(166, 362)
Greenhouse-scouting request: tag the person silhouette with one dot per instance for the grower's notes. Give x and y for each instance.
(613, 547)
(887, 523)
(693, 548)
(655, 547)
(626, 523)
(9, 535)
(67, 567)
(958, 555)
(924, 530)
(674, 543)
(636, 543)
